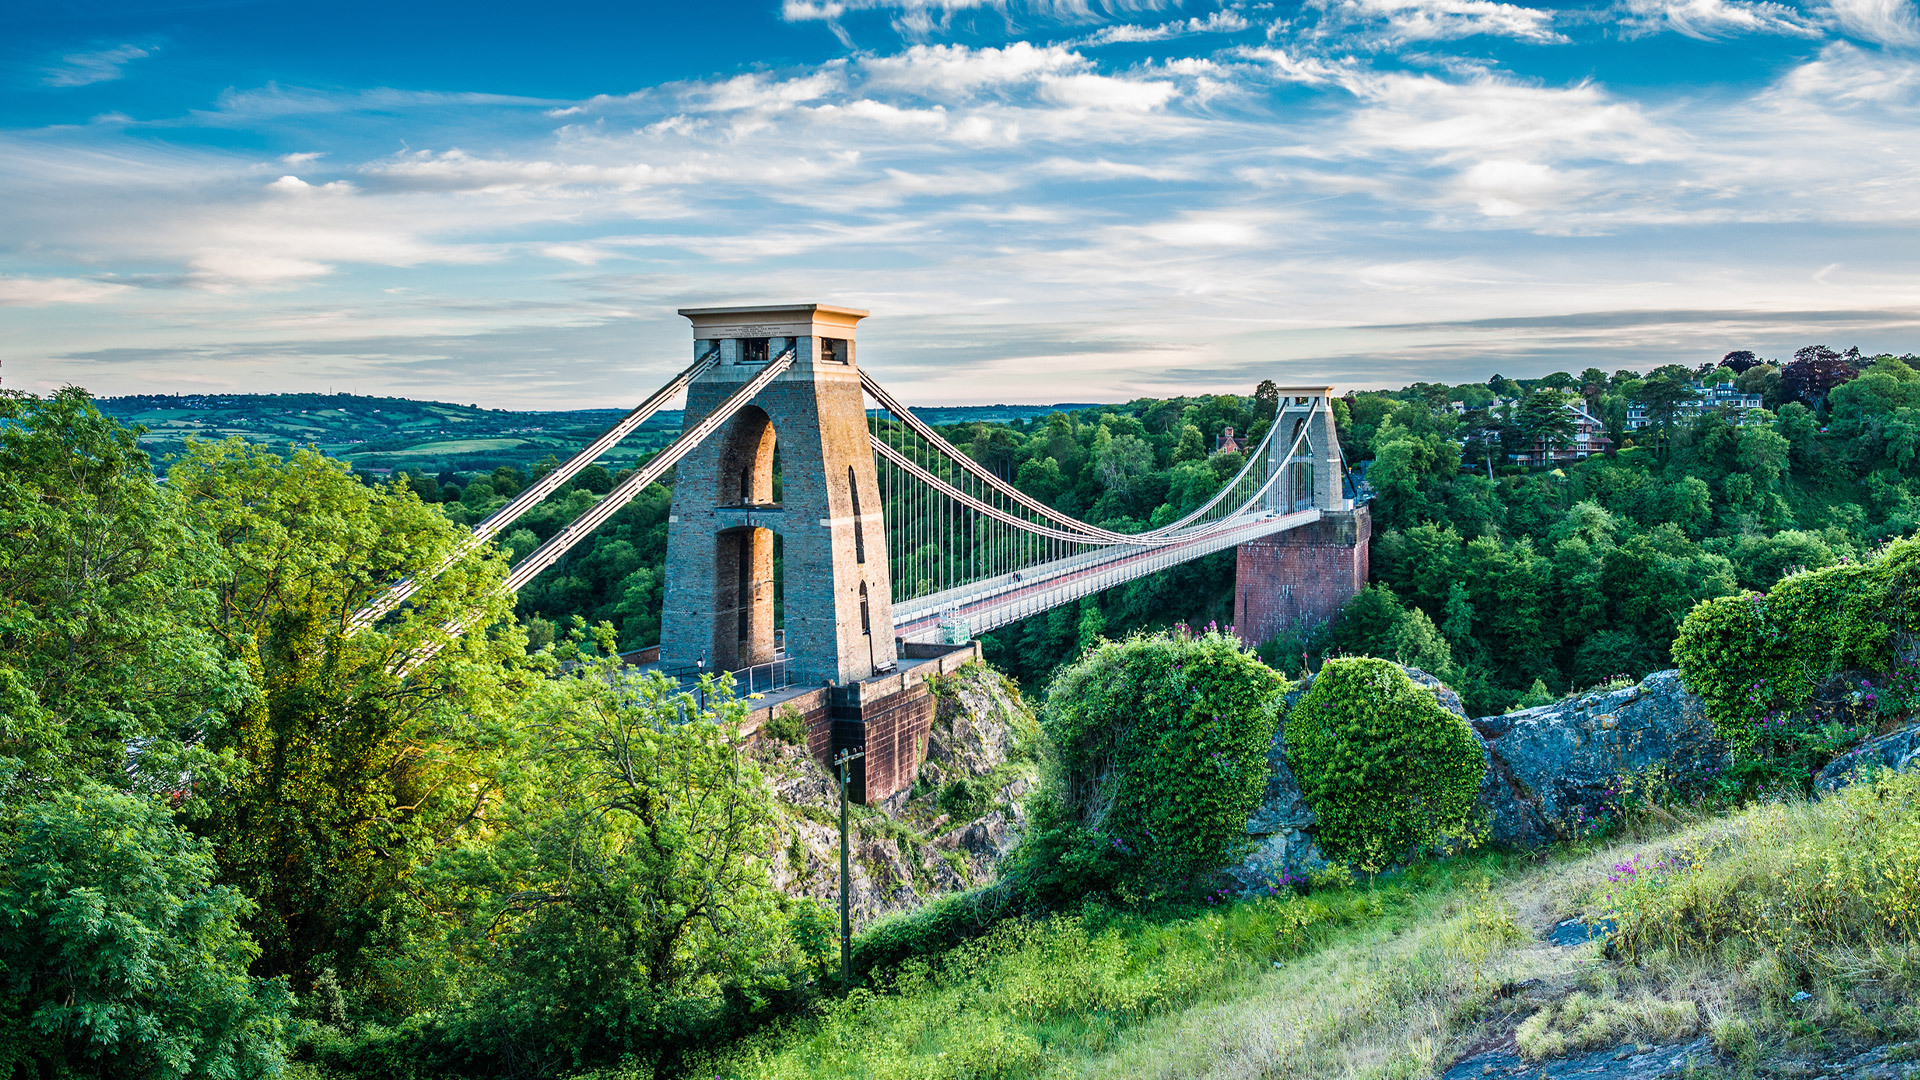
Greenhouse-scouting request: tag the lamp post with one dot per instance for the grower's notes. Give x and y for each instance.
(841, 762)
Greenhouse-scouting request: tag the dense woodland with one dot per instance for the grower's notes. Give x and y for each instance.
(231, 832)
(1517, 586)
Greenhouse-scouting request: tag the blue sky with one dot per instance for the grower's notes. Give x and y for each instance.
(1044, 201)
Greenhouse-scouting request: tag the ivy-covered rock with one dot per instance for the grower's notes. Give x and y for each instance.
(1284, 852)
(1386, 768)
(1157, 755)
(1757, 660)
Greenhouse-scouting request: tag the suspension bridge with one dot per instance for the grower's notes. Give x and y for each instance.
(899, 548)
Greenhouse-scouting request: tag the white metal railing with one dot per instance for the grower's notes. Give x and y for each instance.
(1048, 586)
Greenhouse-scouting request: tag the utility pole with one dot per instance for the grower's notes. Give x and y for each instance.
(841, 762)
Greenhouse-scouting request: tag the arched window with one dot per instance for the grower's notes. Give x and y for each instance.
(866, 623)
(859, 534)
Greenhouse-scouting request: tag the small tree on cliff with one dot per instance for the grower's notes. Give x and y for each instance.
(1157, 752)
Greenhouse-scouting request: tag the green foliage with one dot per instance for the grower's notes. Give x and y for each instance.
(941, 924)
(118, 954)
(625, 909)
(962, 798)
(102, 610)
(1157, 754)
(351, 775)
(1756, 660)
(1386, 768)
(1813, 886)
(787, 726)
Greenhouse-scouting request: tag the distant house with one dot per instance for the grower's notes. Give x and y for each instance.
(1737, 402)
(1589, 438)
(1227, 443)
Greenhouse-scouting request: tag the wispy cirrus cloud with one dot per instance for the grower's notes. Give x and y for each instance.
(1887, 22)
(100, 65)
(39, 292)
(1406, 21)
(1710, 19)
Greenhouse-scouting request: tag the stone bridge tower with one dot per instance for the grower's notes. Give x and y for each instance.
(1295, 579)
(719, 573)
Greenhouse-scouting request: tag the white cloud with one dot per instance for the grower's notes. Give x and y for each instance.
(956, 70)
(1090, 91)
(1508, 188)
(1218, 22)
(39, 292)
(1709, 19)
(1889, 22)
(1445, 20)
(84, 69)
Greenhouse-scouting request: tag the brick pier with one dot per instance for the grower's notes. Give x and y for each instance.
(1303, 575)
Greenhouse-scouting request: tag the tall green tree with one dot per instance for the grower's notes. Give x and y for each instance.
(358, 764)
(105, 671)
(119, 956)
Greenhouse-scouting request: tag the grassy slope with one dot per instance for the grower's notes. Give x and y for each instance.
(1401, 976)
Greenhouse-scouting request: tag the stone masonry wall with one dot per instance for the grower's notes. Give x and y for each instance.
(1305, 574)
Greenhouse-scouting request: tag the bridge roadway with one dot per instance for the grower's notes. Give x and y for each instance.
(994, 602)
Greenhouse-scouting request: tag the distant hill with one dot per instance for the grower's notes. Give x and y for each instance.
(431, 437)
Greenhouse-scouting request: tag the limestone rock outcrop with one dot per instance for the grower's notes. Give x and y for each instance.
(910, 849)
(1552, 768)
(1898, 750)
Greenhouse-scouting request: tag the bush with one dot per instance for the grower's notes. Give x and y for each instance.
(1385, 767)
(963, 799)
(787, 726)
(1756, 660)
(1157, 753)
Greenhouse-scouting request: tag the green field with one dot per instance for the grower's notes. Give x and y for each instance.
(449, 447)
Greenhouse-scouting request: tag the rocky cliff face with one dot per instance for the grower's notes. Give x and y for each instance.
(947, 832)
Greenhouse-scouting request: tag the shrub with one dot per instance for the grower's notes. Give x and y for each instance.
(1755, 660)
(786, 726)
(963, 799)
(1385, 767)
(1156, 754)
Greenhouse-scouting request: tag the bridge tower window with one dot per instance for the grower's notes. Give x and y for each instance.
(834, 351)
(866, 622)
(753, 350)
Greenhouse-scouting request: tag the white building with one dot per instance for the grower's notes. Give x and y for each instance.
(1709, 399)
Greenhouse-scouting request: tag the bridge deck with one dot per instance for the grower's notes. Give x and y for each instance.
(995, 602)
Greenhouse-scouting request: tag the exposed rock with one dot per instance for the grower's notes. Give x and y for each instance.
(1549, 769)
(906, 850)
(1612, 1063)
(975, 726)
(1898, 751)
(1552, 768)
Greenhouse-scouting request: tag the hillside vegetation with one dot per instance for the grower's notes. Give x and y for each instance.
(238, 841)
